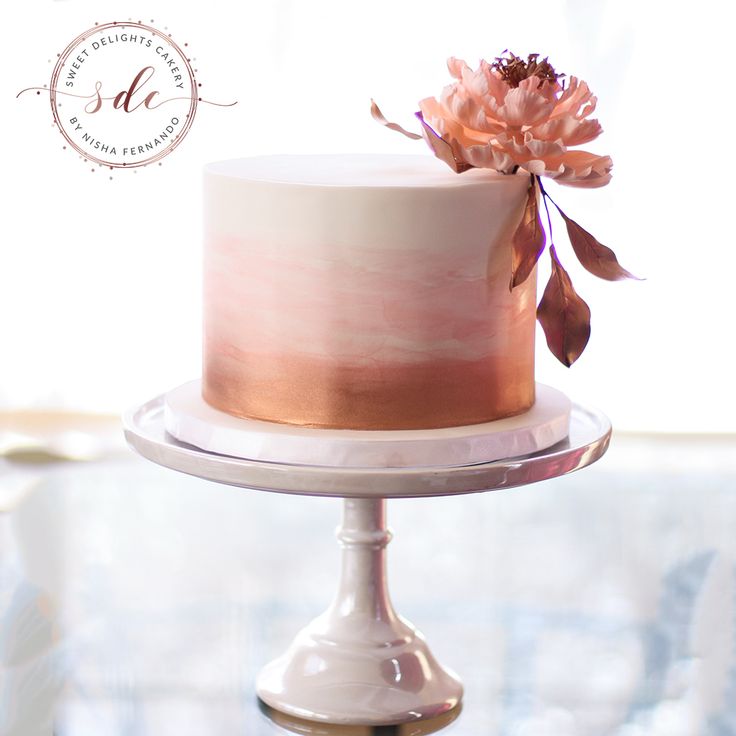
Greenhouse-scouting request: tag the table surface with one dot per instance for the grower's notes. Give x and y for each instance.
(135, 600)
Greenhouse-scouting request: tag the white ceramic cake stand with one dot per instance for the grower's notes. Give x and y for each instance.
(361, 663)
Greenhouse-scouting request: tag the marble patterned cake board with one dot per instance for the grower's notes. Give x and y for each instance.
(190, 419)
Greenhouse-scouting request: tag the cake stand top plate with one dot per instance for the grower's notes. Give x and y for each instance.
(590, 432)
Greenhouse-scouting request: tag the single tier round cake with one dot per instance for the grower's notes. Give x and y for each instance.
(364, 292)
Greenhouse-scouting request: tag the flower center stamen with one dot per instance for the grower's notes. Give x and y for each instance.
(514, 70)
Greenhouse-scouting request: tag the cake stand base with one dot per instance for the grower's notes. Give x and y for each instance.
(360, 663)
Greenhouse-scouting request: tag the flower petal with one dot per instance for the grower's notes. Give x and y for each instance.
(475, 82)
(497, 88)
(523, 107)
(457, 104)
(440, 119)
(580, 169)
(544, 87)
(573, 98)
(543, 149)
(488, 157)
(570, 130)
(456, 66)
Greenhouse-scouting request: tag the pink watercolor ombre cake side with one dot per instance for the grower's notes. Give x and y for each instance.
(364, 292)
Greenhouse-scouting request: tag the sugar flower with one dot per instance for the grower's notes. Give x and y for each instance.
(515, 113)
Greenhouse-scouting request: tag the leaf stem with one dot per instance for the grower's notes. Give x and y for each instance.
(546, 196)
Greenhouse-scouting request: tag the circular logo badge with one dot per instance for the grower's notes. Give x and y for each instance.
(123, 94)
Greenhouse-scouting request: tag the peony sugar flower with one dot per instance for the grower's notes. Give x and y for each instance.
(516, 114)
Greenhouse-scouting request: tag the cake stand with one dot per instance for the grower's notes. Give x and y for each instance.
(360, 662)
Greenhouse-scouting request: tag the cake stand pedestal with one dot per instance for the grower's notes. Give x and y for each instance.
(360, 662)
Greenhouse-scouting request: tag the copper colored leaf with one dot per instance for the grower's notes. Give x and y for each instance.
(378, 115)
(442, 149)
(528, 241)
(564, 316)
(597, 258)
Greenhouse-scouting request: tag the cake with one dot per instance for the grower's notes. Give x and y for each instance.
(364, 292)
(386, 292)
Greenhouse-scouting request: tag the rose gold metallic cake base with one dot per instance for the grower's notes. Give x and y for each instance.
(310, 392)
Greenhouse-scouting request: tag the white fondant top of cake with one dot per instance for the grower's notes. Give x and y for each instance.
(352, 170)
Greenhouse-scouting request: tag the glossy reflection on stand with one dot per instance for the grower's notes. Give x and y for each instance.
(311, 728)
(360, 663)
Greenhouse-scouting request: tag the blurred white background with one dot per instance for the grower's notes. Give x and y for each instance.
(100, 279)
